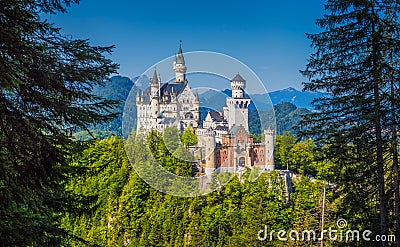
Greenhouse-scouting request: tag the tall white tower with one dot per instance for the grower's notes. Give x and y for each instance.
(238, 105)
(154, 85)
(269, 150)
(209, 151)
(154, 100)
(179, 66)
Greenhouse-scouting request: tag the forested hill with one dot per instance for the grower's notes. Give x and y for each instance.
(287, 114)
(117, 88)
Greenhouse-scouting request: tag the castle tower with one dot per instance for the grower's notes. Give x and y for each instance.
(238, 84)
(140, 111)
(154, 91)
(238, 105)
(209, 151)
(197, 109)
(269, 150)
(226, 112)
(154, 85)
(179, 66)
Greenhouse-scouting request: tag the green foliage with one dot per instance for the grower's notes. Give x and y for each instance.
(93, 134)
(120, 208)
(171, 138)
(301, 157)
(46, 83)
(189, 138)
(283, 145)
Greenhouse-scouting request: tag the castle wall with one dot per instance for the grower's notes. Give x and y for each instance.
(188, 108)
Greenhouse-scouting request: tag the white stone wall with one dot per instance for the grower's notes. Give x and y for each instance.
(188, 108)
(238, 116)
(180, 70)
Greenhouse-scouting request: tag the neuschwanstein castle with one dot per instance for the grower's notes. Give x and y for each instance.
(224, 141)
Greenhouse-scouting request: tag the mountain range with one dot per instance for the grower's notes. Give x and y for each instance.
(301, 99)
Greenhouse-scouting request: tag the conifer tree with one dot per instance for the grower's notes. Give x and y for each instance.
(46, 82)
(351, 64)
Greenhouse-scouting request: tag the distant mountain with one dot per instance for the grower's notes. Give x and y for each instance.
(212, 99)
(301, 99)
(217, 99)
(117, 88)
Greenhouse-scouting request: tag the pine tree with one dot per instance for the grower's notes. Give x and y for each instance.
(351, 64)
(46, 80)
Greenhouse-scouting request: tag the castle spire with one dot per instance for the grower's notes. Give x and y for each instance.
(154, 85)
(179, 66)
(196, 94)
(180, 59)
(154, 80)
(180, 46)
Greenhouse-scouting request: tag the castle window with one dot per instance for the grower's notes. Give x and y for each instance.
(262, 151)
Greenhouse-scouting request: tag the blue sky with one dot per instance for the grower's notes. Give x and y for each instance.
(268, 36)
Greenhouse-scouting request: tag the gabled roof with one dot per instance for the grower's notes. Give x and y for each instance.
(168, 120)
(168, 89)
(222, 128)
(165, 90)
(216, 116)
(239, 78)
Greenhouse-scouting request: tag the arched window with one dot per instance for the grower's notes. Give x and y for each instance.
(242, 161)
(189, 115)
